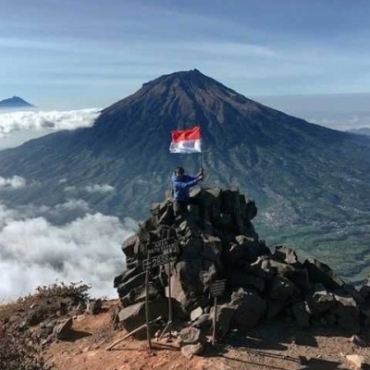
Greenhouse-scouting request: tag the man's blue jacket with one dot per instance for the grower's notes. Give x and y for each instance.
(181, 186)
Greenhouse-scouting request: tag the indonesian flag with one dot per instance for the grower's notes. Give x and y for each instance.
(186, 141)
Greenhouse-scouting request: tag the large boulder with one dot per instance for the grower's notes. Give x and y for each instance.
(248, 307)
(321, 273)
(133, 316)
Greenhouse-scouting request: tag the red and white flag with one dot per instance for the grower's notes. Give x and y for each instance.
(186, 141)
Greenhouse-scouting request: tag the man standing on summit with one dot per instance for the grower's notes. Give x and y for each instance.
(181, 184)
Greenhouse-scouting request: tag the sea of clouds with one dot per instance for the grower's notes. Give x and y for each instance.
(68, 242)
(17, 127)
(46, 120)
(38, 247)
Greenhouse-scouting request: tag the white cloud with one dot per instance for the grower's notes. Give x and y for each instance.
(235, 49)
(69, 210)
(105, 188)
(49, 121)
(34, 251)
(95, 188)
(14, 182)
(70, 188)
(345, 123)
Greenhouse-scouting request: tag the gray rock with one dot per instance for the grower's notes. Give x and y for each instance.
(130, 246)
(274, 308)
(351, 290)
(212, 248)
(138, 294)
(285, 254)
(319, 300)
(249, 307)
(63, 330)
(321, 273)
(204, 321)
(191, 350)
(224, 317)
(195, 314)
(94, 306)
(347, 313)
(281, 288)
(365, 291)
(130, 284)
(301, 314)
(240, 278)
(189, 282)
(127, 275)
(301, 279)
(273, 267)
(163, 213)
(225, 221)
(133, 316)
(189, 335)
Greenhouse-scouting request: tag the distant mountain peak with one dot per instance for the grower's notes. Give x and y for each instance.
(188, 97)
(14, 102)
(191, 76)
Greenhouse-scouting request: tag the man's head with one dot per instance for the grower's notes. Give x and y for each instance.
(179, 172)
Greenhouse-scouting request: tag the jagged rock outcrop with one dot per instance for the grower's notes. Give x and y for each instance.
(217, 240)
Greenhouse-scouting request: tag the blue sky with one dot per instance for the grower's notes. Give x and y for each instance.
(70, 54)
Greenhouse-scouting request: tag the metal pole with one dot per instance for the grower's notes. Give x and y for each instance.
(214, 321)
(169, 286)
(147, 302)
(169, 322)
(169, 295)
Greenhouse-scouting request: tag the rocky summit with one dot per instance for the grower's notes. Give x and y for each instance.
(218, 242)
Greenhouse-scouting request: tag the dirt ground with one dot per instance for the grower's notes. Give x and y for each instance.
(273, 346)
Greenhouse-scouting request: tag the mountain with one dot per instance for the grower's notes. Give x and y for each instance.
(311, 183)
(14, 102)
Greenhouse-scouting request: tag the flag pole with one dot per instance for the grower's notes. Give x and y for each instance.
(201, 152)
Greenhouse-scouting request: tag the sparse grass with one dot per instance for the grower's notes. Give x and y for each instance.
(77, 291)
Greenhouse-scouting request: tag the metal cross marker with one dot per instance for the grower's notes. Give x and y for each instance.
(216, 289)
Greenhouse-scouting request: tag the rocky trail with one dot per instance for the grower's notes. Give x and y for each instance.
(267, 347)
(271, 346)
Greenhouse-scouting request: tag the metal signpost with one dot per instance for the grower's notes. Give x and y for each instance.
(147, 303)
(216, 289)
(162, 252)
